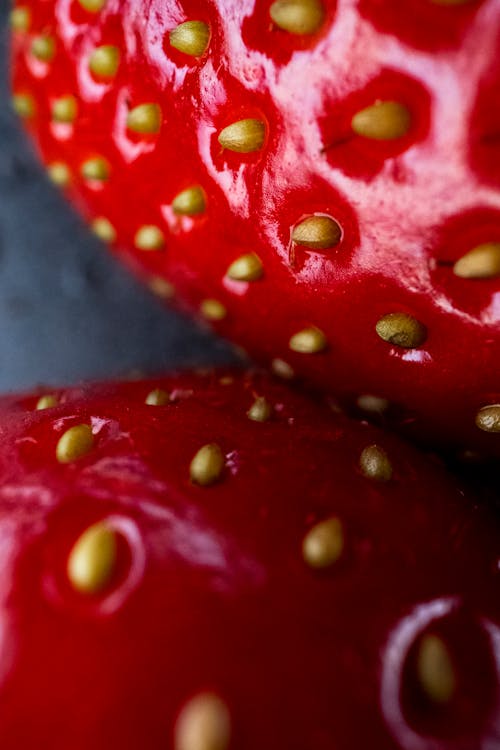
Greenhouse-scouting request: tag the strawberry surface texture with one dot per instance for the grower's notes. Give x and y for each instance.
(319, 180)
(208, 562)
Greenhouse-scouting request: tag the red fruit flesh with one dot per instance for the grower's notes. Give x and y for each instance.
(407, 199)
(378, 628)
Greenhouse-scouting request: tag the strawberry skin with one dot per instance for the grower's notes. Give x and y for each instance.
(212, 562)
(318, 180)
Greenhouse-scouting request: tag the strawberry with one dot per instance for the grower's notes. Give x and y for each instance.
(212, 562)
(319, 180)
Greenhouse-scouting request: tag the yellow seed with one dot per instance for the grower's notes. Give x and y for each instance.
(243, 136)
(104, 61)
(145, 119)
(92, 561)
(401, 330)
(308, 341)
(158, 397)
(43, 48)
(92, 6)
(203, 724)
(247, 267)
(483, 262)
(20, 19)
(435, 671)
(24, 105)
(488, 418)
(317, 233)
(323, 544)
(103, 229)
(191, 37)
(161, 287)
(374, 464)
(373, 404)
(207, 465)
(189, 202)
(149, 237)
(65, 109)
(298, 16)
(382, 121)
(59, 173)
(282, 369)
(96, 169)
(212, 309)
(46, 402)
(260, 411)
(76, 442)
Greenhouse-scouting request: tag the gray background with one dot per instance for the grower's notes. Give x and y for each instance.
(67, 311)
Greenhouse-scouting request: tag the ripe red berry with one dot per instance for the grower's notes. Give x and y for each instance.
(319, 179)
(208, 563)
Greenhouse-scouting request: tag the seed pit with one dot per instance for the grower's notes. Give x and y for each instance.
(366, 128)
(449, 679)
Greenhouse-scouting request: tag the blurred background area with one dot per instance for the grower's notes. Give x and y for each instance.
(67, 311)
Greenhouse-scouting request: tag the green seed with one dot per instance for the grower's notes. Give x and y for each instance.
(191, 38)
(92, 561)
(207, 465)
(401, 329)
(298, 16)
(189, 202)
(104, 61)
(317, 233)
(243, 136)
(382, 121)
(145, 119)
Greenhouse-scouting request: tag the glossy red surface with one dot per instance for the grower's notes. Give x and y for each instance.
(211, 591)
(408, 207)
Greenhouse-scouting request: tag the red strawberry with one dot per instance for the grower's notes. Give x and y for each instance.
(208, 563)
(319, 179)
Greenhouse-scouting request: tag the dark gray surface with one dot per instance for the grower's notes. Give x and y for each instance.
(67, 311)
